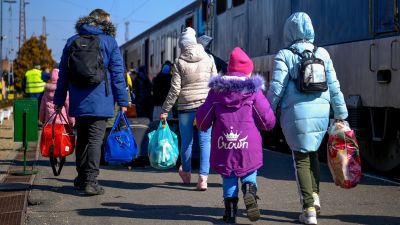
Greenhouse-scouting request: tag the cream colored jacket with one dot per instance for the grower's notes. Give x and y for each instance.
(189, 84)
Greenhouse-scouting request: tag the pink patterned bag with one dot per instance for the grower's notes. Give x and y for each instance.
(343, 155)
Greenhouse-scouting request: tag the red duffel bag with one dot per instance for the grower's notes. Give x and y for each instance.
(57, 141)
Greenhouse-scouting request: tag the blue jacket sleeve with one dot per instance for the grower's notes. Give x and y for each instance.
(116, 69)
(337, 100)
(62, 83)
(280, 78)
(205, 113)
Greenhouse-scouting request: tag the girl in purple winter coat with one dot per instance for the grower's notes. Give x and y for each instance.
(236, 109)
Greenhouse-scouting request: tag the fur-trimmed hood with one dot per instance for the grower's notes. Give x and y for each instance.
(237, 83)
(104, 26)
(235, 91)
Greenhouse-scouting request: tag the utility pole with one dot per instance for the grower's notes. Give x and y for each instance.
(126, 31)
(44, 26)
(1, 40)
(22, 24)
(10, 43)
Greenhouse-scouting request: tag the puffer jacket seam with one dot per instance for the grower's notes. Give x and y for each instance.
(205, 117)
(259, 116)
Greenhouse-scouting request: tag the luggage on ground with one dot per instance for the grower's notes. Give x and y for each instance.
(57, 141)
(120, 144)
(343, 155)
(163, 148)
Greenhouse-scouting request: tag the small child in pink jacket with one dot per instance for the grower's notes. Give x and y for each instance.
(47, 107)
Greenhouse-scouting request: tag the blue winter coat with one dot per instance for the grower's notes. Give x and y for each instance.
(93, 101)
(304, 116)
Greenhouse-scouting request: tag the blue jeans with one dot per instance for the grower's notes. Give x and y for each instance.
(186, 120)
(230, 184)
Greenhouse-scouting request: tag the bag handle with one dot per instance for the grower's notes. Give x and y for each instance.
(116, 122)
(53, 160)
(118, 119)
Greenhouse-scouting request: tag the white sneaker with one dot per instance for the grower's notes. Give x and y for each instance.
(317, 203)
(309, 216)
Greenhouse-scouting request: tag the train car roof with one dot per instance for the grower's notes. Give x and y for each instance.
(167, 20)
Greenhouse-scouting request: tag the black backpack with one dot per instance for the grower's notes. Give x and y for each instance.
(85, 62)
(312, 75)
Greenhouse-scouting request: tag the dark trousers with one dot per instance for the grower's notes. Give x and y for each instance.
(90, 134)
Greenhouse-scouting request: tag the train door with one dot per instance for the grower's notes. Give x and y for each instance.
(385, 16)
(239, 24)
(146, 54)
(231, 27)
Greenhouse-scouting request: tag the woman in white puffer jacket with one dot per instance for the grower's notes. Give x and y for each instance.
(189, 84)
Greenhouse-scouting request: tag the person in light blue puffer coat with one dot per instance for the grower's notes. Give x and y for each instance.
(304, 116)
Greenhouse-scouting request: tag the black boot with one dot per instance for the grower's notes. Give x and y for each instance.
(230, 209)
(250, 200)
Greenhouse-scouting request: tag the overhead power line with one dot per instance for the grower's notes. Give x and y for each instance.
(136, 9)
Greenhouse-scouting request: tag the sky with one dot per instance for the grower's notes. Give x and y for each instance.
(61, 16)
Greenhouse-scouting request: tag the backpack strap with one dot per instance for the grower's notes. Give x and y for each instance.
(104, 68)
(107, 85)
(315, 49)
(295, 51)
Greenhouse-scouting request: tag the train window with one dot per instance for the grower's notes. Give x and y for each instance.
(204, 10)
(189, 22)
(151, 60)
(237, 2)
(221, 6)
(162, 57)
(126, 57)
(174, 53)
(384, 19)
(138, 63)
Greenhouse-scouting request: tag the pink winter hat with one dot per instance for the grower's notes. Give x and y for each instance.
(239, 62)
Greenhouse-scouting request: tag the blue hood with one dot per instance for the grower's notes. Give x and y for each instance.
(298, 27)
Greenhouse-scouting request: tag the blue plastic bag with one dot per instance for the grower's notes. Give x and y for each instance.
(120, 145)
(163, 148)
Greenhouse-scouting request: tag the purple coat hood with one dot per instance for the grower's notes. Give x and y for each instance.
(236, 108)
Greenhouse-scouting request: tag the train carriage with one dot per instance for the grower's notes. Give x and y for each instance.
(362, 37)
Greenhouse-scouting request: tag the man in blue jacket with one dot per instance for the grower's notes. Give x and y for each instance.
(92, 105)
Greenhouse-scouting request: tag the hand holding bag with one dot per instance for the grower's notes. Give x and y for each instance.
(343, 155)
(163, 147)
(57, 141)
(120, 145)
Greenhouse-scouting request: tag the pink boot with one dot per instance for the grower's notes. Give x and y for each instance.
(184, 175)
(202, 183)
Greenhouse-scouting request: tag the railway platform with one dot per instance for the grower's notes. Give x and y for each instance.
(149, 196)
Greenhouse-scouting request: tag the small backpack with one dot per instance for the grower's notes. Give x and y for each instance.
(85, 62)
(312, 75)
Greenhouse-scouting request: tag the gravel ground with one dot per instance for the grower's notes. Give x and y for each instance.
(6, 137)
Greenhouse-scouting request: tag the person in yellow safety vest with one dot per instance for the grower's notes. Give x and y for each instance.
(33, 84)
(129, 82)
